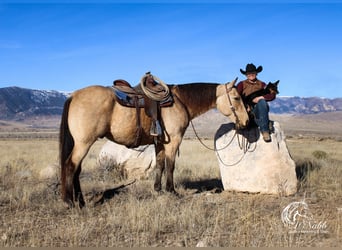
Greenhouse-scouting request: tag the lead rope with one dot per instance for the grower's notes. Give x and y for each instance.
(212, 149)
(245, 148)
(244, 145)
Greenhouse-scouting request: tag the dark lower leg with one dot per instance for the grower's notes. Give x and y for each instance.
(169, 176)
(77, 188)
(67, 177)
(160, 158)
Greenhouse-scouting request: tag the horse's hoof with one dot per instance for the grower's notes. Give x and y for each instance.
(68, 204)
(81, 202)
(81, 205)
(178, 195)
(173, 192)
(160, 192)
(157, 188)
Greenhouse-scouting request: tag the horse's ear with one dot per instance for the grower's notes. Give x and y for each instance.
(276, 83)
(235, 80)
(232, 83)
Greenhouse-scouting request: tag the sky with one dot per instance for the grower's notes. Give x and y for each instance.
(68, 45)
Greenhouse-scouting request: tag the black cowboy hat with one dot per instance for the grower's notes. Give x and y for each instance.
(250, 68)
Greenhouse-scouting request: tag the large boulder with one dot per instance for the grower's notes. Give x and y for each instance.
(135, 163)
(249, 164)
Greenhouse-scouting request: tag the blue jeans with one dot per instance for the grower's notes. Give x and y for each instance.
(260, 111)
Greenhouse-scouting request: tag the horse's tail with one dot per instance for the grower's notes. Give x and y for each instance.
(66, 142)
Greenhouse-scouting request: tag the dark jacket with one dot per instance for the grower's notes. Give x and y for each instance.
(246, 88)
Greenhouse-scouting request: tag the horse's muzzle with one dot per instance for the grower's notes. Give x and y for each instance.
(241, 125)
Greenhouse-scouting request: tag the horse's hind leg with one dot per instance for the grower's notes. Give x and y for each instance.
(77, 186)
(70, 175)
(67, 176)
(160, 163)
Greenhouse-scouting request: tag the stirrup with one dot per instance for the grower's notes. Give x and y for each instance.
(156, 129)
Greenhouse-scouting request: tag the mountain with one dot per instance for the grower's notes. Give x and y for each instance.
(20, 103)
(304, 105)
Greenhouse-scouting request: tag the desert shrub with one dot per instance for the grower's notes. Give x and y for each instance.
(319, 154)
(6, 174)
(305, 166)
(108, 170)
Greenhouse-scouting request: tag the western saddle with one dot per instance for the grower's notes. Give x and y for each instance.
(151, 94)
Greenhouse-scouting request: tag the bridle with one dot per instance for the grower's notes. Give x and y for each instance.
(231, 103)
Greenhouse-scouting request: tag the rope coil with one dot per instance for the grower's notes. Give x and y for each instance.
(155, 94)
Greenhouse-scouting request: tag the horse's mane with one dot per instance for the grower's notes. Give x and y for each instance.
(197, 97)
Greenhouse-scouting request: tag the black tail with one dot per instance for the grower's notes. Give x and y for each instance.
(66, 142)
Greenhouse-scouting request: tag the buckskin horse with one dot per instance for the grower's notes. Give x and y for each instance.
(94, 112)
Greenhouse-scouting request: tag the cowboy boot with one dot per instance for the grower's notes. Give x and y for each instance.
(266, 136)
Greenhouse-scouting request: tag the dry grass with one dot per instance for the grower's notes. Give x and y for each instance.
(32, 213)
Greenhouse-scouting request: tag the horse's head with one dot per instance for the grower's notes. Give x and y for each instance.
(230, 104)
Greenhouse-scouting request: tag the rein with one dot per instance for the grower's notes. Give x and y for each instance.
(243, 143)
(199, 139)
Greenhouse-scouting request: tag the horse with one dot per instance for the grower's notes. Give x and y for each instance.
(93, 112)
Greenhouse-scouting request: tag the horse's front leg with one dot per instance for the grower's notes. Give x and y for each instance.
(170, 157)
(170, 167)
(160, 164)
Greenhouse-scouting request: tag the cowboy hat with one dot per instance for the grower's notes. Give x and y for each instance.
(250, 68)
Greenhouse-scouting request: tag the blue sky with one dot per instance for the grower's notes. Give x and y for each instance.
(67, 45)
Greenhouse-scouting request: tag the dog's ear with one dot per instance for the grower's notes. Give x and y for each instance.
(276, 83)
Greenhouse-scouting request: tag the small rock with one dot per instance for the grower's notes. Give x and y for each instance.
(50, 172)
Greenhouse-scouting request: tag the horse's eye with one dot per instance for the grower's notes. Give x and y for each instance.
(236, 98)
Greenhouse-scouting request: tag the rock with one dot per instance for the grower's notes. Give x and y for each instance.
(49, 172)
(137, 163)
(249, 164)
